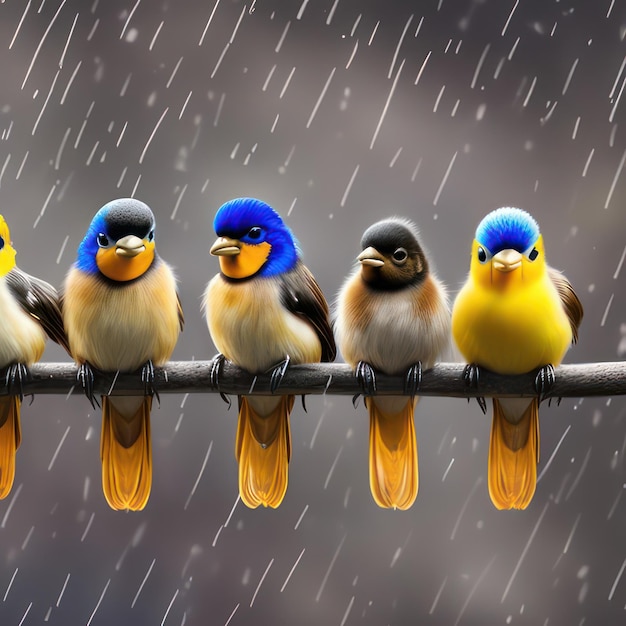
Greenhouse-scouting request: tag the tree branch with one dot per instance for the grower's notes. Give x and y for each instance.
(445, 379)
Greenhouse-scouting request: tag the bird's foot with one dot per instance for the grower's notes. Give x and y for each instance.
(85, 377)
(413, 379)
(216, 368)
(366, 378)
(16, 375)
(278, 373)
(148, 378)
(544, 381)
(471, 376)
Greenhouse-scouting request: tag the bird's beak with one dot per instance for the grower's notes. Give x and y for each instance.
(129, 246)
(507, 260)
(225, 246)
(370, 256)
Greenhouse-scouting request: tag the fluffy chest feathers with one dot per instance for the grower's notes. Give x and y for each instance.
(22, 340)
(512, 331)
(251, 328)
(121, 327)
(392, 330)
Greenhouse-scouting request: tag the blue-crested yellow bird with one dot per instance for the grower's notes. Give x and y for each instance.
(392, 316)
(264, 309)
(513, 315)
(121, 312)
(29, 310)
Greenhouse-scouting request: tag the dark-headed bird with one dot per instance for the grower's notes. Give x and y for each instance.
(513, 315)
(392, 316)
(121, 312)
(29, 311)
(264, 310)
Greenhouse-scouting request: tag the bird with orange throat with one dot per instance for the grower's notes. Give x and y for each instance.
(264, 311)
(122, 312)
(514, 314)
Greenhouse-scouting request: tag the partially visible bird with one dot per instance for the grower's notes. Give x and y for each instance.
(29, 311)
(392, 316)
(121, 312)
(514, 314)
(264, 310)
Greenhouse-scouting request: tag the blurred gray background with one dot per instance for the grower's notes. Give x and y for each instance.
(338, 113)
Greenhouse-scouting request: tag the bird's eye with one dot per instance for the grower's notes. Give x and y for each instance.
(103, 240)
(1, 243)
(254, 232)
(482, 255)
(534, 253)
(400, 255)
(151, 235)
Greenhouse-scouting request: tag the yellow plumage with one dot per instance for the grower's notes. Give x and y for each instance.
(513, 315)
(10, 438)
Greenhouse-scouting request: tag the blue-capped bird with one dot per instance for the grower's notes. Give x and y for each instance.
(29, 312)
(514, 314)
(122, 312)
(392, 316)
(264, 310)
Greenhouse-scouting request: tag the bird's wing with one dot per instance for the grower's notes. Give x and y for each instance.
(41, 301)
(569, 299)
(302, 296)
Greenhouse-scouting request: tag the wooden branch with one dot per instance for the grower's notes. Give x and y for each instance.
(445, 379)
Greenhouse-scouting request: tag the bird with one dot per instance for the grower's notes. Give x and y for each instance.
(513, 315)
(30, 313)
(392, 316)
(264, 310)
(122, 312)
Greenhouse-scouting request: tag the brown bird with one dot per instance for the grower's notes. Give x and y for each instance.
(392, 316)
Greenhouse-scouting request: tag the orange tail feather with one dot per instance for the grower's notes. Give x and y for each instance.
(394, 476)
(126, 453)
(10, 438)
(263, 450)
(513, 458)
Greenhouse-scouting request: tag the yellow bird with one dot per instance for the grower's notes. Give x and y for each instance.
(29, 310)
(513, 315)
(392, 316)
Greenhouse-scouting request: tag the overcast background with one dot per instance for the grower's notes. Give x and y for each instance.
(337, 113)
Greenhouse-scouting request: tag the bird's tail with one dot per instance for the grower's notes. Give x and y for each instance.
(10, 437)
(126, 452)
(513, 457)
(394, 476)
(263, 450)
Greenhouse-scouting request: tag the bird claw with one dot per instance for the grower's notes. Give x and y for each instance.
(85, 377)
(148, 378)
(366, 377)
(216, 367)
(16, 375)
(544, 381)
(413, 379)
(303, 398)
(471, 376)
(278, 373)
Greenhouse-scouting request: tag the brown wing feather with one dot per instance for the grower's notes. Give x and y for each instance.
(41, 301)
(302, 295)
(572, 305)
(181, 317)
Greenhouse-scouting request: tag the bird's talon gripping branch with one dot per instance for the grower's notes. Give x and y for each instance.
(16, 375)
(216, 368)
(148, 378)
(278, 373)
(413, 379)
(366, 378)
(471, 376)
(544, 381)
(85, 377)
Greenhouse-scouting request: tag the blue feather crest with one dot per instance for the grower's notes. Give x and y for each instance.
(505, 228)
(236, 217)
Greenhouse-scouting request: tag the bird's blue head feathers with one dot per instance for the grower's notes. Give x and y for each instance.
(506, 228)
(116, 219)
(239, 219)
